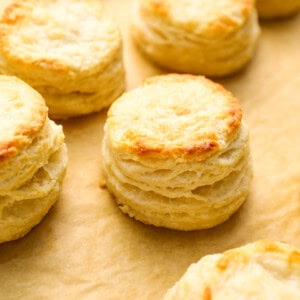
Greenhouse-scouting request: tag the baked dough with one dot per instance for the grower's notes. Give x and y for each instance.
(213, 38)
(67, 50)
(268, 9)
(33, 158)
(261, 270)
(176, 153)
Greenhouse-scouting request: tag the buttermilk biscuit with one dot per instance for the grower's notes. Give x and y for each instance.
(213, 38)
(176, 154)
(33, 159)
(261, 270)
(68, 50)
(268, 9)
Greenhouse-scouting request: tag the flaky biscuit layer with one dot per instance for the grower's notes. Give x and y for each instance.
(15, 171)
(206, 207)
(184, 174)
(23, 208)
(110, 86)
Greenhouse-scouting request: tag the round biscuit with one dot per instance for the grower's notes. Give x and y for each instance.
(176, 153)
(33, 158)
(213, 38)
(63, 48)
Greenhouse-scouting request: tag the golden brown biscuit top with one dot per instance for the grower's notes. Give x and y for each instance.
(22, 115)
(261, 270)
(174, 116)
(207, 18)
(59, 36)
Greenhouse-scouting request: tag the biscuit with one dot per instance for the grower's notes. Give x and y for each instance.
(213, 38)
(33, 158)
(176, 153)
(69, 51)
(268, 9)
(261, 270)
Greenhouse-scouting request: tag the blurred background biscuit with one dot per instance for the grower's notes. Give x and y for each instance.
(261, 270)
(269, 9)
(176, 153)
(69, 51)
(33, 158)
(213, 38)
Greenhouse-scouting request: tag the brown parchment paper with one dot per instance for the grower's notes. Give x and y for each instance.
(87, 249)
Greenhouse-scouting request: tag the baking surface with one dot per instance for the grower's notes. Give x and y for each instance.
(87, 249)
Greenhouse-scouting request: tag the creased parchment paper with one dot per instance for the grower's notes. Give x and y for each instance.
(87, 249)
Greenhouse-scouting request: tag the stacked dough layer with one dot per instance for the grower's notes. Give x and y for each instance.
(207, 37)
(67, 50)
(176, 154)
(262, 270)
(33, 159)
(268, 9)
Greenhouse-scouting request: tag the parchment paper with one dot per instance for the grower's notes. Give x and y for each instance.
(87, 249)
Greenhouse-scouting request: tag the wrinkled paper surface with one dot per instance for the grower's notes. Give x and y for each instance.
(86, 248)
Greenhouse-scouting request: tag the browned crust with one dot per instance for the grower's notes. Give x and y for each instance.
(22, 138)
(293, 255)
(237, 256)
(234, 108)
(12, 17)
(207, 293)
(209, 145)
(159, 7)
(203, 147)
(7, 149)
(27, 130)
(12, 14)
(200, 148)
(230, 257)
